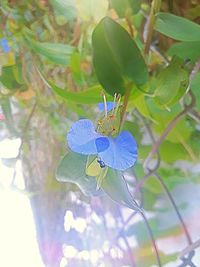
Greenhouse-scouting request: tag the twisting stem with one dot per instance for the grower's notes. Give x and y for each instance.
(170, 126)
(164, 186)
(190, 248)
(175, 207)
(152, 239)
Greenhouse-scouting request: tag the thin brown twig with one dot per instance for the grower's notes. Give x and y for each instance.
(125, 104)
(140, 184)
(175, 208)
(190, 248)
(167, 130)
(152, 239)
(194, 115)
(126, 222)
(154, 172)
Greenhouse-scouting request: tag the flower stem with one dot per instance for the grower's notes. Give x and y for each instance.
(125, 104)
(152, 239)
(175, 208)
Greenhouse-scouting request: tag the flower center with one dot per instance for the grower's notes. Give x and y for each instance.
(109, 124)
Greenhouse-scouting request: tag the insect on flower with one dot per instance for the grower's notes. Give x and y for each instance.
(104, 144)
(101, 163)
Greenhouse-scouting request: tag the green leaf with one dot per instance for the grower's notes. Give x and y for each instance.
(195, 86)
(178, 28)
(153, 185)
(125, 7)
(141, 106)
(173, 177)
(7, 78)
(72, 169)
(117, 59)
(180, 132)
(101, 176)
(171, 152)
(55, 52)
(134, 129)
(115, 186)
(172, 83)
(17, 73)
(75, 68)
(64, 10)
(89, 96)
(186, 50)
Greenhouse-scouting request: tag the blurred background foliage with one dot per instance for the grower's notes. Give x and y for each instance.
(47, 81)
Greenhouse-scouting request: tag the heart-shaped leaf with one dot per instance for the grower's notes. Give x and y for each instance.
(116, 57)
(72, 169)
(114, 185)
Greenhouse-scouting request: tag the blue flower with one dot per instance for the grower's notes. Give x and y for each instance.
(82, 138)
(4, 45)
(109, 106)
(118, 152)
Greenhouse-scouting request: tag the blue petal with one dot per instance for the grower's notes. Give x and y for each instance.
(82, 138)
(102, 143)
(4, 45)
(110, 106)
(122, 152)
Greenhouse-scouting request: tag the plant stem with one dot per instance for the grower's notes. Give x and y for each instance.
(190, 248)
(155, 6)
(130, 26)
(152, 239)
(167, 130)
(175, 207)
(153, 172)
(125, 104)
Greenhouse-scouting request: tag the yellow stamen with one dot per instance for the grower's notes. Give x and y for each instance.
(114, 101)
(105, 105)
